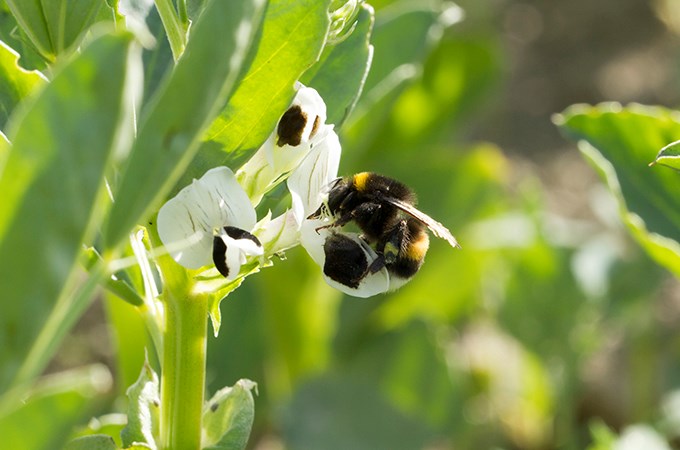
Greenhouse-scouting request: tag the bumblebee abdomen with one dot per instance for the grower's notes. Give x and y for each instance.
(346, 261)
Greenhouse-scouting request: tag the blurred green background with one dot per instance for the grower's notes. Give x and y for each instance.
(549, 329)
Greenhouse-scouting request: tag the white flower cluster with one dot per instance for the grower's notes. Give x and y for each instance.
(213, 220)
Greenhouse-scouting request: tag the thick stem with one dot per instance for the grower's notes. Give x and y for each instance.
(173, 28)
(183, 371)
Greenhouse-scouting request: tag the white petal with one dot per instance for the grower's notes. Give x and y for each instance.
(308, 183)
(271, 163)
(220, 197)
(278, 234)
(247, 246)
(189, 244)
(313, 106)
(233, 257)
(186, 223)
(268, 166)
(313, 242)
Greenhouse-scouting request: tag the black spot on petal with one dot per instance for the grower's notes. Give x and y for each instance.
(220, 256)
(291, 126)
(237, 233)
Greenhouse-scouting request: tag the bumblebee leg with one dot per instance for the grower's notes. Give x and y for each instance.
(377, 265)
(392, 242)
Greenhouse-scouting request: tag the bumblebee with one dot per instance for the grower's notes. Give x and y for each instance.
(385, 212)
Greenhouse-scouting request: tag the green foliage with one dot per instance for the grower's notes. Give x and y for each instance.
(143, 410)
(228, 417)
(486, 347)
(15, 82)
(621, 143)
(44, 418)
(169, 133)
(54, 26)
(76, 124)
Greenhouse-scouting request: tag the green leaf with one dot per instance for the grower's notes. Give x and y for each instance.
(15, 82)
(403, 35)
(669, 156)
(44, 420)
(199, 86)
(228, 417)
(143, 410)
(619, 143)
(342, 69)
(94, 442)
(52, 187)
(54, 25)
(291, 40)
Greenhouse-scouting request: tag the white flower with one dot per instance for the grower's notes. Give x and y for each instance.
(209, 221)
(300, 126)
(308, 185)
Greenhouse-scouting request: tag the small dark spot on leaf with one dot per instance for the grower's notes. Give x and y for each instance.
(214, 407)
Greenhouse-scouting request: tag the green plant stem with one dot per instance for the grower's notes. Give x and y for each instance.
(183, 15)
(183, 370)
(173, 27)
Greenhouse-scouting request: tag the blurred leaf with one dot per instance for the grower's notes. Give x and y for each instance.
(620, 143)
(669, 156)
(116, 284)
(130, 339)
(143, 410)
(109, 425)
(94, 442)
(52, 187)
(291, 39)
(15, 82)
(54, 25)
(228, 417)
(45, 419)
(201, 82)
(339, 413)
(300, 318)
(12, 35)
(342, 69)
(403, 35)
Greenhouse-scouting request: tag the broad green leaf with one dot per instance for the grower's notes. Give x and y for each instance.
(94, 442)
(403, 36)
(130, 337)
(109, 424)
(15, 82)
(342, 69)
(57, 403)
(228, 417)
(143, 410)
(54, 25)
(291, 40)
(620, 143)
(52, 187)
(669, 156)
(199, 86)
(29, 16)
(404, 33)
(67, 20)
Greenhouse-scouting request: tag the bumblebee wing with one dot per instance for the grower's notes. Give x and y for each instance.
(437, 228)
